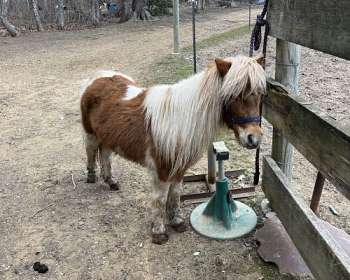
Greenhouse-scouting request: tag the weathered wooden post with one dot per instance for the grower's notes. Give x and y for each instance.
(287, 73)
(249, 14)
(176, 23)
(194, 36)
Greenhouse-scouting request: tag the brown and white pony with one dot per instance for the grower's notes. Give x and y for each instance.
(166, 127)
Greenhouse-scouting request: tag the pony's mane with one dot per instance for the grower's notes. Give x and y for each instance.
(184, 118)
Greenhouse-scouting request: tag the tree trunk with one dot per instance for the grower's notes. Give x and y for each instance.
(39, 25)
(95, 12)
(139, 7)
(3, 19)
(45, 10)
(202, 4)
(60, 14)
(126, 10)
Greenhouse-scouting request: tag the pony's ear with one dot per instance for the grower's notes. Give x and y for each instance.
(260, 59)
(222, 66)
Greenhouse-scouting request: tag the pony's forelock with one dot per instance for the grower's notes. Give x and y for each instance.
(245, 77)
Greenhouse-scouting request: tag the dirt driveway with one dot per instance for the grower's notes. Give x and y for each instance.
(47, 211)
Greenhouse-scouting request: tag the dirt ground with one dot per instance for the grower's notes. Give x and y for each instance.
(84, 231)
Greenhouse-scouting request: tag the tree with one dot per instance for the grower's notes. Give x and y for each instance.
(39, 25)
(95, 12)
(136, 8)
(3, 18)
(125, 10)
(60, 14)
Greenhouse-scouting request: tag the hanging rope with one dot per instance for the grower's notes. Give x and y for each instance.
(255, 41)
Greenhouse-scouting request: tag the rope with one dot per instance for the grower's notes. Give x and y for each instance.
(255, 41)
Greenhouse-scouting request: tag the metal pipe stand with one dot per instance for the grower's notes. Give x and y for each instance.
(222, 217)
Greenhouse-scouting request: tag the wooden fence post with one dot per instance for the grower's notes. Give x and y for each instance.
(287, 72)
(176, 23)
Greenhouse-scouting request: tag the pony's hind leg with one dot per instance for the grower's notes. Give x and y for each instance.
(176, 220)
(106, 173)
(160, 195)
(91, 145)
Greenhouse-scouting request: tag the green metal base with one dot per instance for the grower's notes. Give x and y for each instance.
(222, 218)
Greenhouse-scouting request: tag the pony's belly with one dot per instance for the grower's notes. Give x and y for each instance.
(131, 154)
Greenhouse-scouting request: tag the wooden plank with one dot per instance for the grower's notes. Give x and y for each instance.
(322, 25)
(324, 256)
(317, 136)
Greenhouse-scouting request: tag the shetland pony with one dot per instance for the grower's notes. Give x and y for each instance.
(166, 127)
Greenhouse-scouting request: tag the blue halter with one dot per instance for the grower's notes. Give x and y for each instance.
(245, 120)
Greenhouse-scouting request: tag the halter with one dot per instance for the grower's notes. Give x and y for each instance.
(235, 120)
(244, 120)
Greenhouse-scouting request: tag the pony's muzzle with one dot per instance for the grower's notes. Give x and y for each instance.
(253, 141)
(250, 137)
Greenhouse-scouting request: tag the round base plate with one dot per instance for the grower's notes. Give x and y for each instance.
(244, 221)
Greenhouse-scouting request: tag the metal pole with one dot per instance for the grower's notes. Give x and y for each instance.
(176, 23)
(287, 73)
(221, 170)
(211, 165)
(316, 195)
(194, 35)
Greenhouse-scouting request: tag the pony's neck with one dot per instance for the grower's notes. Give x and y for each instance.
(183, 118)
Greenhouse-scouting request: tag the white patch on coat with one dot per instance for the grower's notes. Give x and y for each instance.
(132, 92)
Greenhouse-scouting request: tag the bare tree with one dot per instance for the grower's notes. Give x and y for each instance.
(3, 18)
(45, 7)
(39, 25)
(139, 8)
(95, 12)
(135, 8)
(125, 10)
(60, 14)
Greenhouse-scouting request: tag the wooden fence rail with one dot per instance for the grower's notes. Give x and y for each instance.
(322, 25)
(327, 146)
(317, 136)
(325, 258)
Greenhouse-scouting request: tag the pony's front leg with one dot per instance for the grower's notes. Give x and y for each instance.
(160, 195)
(176, 220)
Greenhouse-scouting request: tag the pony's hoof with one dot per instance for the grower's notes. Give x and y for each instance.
(182, 227)
(114, 186)
(91, 178)
(160, 238)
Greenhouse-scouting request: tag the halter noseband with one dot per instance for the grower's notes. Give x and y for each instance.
(244, 120)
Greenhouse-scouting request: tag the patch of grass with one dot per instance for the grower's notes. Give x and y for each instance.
(218, 38)
(173, 68)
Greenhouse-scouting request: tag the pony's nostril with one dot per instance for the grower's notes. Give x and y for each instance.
(250, 139)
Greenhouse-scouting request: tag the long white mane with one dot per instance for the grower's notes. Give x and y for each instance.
(184, 118)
